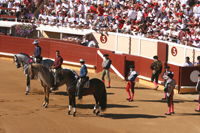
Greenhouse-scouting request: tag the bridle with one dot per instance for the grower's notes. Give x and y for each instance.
(17, 61)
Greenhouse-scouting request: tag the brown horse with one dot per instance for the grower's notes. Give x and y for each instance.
(97, 87)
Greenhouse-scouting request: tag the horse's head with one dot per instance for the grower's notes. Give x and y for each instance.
(32, 72)
(17, 62)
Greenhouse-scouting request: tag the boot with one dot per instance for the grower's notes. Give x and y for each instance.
(108, 84)
(198, 110)
(154, 82)
(172, 109)
(169, 111)
(132, 97)
(79, 94)
(164, 96)
(129, 96)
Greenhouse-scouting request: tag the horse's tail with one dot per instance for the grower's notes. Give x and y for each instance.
(103, 101)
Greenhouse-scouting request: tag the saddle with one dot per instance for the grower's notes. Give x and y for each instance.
(86, 84)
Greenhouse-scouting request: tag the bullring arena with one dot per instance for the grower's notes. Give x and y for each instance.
(21, 113)
(24, 113)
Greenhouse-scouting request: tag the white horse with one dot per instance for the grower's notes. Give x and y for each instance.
(25, 59)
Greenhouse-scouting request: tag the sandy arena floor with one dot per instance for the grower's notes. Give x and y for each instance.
(21, 113)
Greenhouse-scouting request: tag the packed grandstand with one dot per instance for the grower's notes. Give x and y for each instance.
(173, 20)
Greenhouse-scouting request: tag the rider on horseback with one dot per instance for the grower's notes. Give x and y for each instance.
(57, 68)
(37, 52)
(83, 73)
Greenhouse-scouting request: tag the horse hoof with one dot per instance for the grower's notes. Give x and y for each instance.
(68, 113)
(73, 114)
(43, 104)
(94, 111)
(26, 92)
(97, 112)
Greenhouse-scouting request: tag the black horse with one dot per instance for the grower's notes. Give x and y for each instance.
(96, 88)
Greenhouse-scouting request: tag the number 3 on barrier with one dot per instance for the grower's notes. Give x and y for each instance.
(103, 39)
(174, 51)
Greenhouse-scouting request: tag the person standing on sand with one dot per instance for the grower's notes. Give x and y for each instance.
(169, 89)
(198, 89)
(131, 82)
(106, 69)
(156, 66)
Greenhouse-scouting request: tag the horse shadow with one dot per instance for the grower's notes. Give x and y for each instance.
(91, 106)
(130, 116)
(66, 94)
(61, 93)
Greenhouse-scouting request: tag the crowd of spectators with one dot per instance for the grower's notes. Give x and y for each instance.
(21, 6)
(168, 20)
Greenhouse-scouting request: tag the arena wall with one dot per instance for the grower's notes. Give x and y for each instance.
(121, 61)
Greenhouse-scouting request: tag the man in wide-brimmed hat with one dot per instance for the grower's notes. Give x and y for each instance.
(106, 69)
(38, 50)
(131, 82)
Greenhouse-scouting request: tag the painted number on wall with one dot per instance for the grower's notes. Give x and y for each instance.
(174, 51)
(103, 39)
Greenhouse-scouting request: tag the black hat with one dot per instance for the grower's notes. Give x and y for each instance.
(198, 57)
(198, 75)
(132, 66)
(170, 75)
(167, 67)
(106, 55)
(155, 57)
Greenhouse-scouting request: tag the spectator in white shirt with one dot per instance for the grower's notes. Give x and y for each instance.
(81, 9)
(91, 43)
(196, 43)
(187, 62)
(132, 13)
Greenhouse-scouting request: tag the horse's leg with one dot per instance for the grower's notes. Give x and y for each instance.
(74, 105)
(70, 106)
(95, 106)
(47, 97)
(27, 84)
(99, 108)
(44, 97)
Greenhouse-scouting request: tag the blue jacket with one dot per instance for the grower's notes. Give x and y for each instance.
(83, 71)
(37, 51)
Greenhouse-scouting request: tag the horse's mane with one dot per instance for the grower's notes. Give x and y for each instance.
(25, 54)
(43, 73)
(69, 73)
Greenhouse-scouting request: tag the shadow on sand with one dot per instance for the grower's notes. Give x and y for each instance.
(65, 93)
(164, 101)
(91, 106)
(188, 114)
(129, 116)
(139, 88)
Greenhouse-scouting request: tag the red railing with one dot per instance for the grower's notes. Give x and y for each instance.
(8, 16)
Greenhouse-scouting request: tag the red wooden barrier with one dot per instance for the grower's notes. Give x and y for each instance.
(73, 53)
(189, 76)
